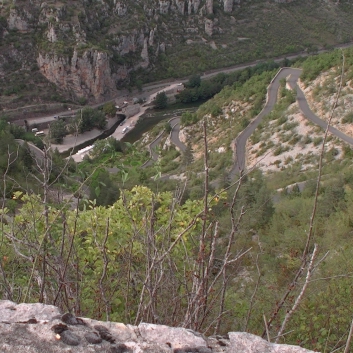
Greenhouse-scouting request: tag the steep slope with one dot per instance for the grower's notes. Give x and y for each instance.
(88, 48)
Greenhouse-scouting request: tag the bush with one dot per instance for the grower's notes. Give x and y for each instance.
(348, 118)
(216, 110)
(307, 139)
(194, 81)
(317, 141)
(82, 101)
(188, 118)
(161, 101)
(91, 118)
(109, 109)
(58, 131)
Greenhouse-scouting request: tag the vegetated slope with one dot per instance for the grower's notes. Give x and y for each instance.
(321, 321)
(89, 49)
(163, 256)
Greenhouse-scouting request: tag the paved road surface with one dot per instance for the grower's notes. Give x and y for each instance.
(240, 141)
(174, 136)
(37, 153)
(153, 150)
(304, 107)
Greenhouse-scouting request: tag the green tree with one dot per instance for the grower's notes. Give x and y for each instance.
(57, 131)
(107, 146)
(103, 190)
(90, 118)
(109, 109)
(161, 100)
(167, 127)
(188, 118)
(194, 81)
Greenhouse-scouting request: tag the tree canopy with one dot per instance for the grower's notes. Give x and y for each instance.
(161, 100)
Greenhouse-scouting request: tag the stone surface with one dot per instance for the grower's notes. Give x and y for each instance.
(38, 328)
(208, 27)
(86, 75)
(228, 5)
(209, 6)
(18, 21)
(242, 342)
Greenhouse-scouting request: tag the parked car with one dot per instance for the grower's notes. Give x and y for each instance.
(39, 133)
(124, 130)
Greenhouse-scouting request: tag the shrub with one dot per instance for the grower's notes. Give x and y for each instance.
(348, 118)
(307, 139)
(317, 140)
(161, 101)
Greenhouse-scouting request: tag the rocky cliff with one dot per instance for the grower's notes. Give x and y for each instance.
(39, 328)
(91, 48)
(86, 75)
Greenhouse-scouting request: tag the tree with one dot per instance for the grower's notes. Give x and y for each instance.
(90, 118)
(167, 127)
(161, 100)
(57, 131)
(103, 190)
(109, 109)
(106, 146)
(188, 118)
(194, 81)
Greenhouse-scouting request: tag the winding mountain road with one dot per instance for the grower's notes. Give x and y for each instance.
(272, 91)
(174, 135)
(174, 138)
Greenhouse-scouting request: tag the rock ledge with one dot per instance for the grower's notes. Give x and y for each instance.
(39, 328)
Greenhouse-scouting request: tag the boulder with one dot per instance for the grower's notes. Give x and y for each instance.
(39, 328)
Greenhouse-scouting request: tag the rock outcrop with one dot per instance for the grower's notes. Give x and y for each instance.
(19, 21)
(86, 75)
(39, 328)
(228, 5)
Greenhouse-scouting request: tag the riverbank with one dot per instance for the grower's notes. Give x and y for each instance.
(72, 142)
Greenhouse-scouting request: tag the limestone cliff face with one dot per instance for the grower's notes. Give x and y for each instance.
(86, 75)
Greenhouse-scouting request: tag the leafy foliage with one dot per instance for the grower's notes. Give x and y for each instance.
(90, 118)
(58, 131)
(109, 109)
(161, 100)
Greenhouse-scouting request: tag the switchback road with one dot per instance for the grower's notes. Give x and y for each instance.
(272, 91)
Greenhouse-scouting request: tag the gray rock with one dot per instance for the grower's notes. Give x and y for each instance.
(120, 348)
(104, 333)
(38, 328)
(175, 337)
(228, 5)
(209, 27)
(71, 319)
(11, 312)
(93, 338)
(242, 342)
(70, 338)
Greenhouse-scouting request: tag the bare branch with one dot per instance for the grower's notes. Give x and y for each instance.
(300, 295)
